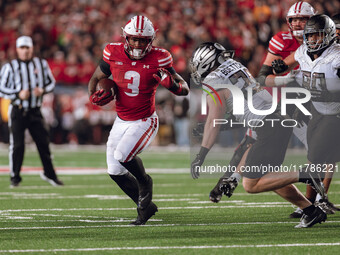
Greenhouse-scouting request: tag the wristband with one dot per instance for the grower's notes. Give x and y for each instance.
(203, 152)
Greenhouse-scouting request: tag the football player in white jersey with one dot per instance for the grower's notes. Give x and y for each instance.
(319, 60)
(336, 19)
(211, 68)
(280, 46)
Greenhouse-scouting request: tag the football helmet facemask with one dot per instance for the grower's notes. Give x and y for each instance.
(324, 27)
(138, 27)
(299, 10)
(206, 58)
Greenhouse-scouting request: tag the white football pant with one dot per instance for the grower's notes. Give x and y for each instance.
(127, 139)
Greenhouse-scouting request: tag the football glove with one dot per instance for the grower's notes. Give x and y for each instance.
(164, 78)
(101, 97)
(279, 66)
(195, 166)
(198, 161)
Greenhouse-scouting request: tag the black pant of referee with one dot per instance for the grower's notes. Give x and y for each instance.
(21, 119)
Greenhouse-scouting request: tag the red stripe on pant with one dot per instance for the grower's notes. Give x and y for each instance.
(128, 158)
(153, 130)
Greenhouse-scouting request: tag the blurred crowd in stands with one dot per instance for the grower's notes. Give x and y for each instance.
(71, 34)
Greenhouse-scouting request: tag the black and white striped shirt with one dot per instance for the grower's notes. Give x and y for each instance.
(18, 75)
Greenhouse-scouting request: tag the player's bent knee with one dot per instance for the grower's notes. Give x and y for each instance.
(250, 187)
(115, 168)
(118, 156)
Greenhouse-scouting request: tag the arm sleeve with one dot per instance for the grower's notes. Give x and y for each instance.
(264, 72)
(104, 67)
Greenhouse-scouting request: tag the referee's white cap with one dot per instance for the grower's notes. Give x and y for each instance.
(24, 41)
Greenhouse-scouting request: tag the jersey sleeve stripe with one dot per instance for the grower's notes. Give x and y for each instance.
(106, 57)
(107, 53)
(272, 52)
(275, 46)
(164, 59)
(277, 42)
(164, 64)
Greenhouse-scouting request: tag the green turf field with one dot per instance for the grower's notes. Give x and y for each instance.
(90, 215)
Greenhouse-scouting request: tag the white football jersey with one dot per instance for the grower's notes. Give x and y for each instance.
(321, 74)
(234, 73)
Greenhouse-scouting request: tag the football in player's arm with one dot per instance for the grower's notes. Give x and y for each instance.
(137, 68)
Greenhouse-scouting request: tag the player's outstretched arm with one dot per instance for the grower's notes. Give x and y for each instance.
(210, 131)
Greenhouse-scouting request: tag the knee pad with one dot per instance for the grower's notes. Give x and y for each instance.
(114, 167)
(118, 156)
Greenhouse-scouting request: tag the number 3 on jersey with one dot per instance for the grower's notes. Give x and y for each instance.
(134, 77)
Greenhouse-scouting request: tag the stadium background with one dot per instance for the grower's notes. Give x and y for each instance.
(72, 34)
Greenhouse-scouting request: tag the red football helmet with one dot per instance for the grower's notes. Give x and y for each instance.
(139, 27)
(299, 10)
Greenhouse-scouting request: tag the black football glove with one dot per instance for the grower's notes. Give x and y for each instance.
(279, 66)
(198, 161)
(195, 166)
(199, 129)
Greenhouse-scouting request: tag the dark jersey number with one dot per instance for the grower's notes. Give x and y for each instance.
(311, 81)
(245, 76)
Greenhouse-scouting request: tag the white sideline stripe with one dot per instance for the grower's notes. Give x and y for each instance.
(4, 170)
(176, 247)
(162, 225)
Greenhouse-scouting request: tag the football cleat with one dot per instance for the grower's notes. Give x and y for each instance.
(216, 194)
(15, 183)
(324, 206)
(317, 216)
(228, 185)
(145, 193)
(297, 214)
(54, 182)
(145, 214)
(334, 208)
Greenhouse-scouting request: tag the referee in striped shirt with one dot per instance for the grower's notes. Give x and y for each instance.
(25, 80)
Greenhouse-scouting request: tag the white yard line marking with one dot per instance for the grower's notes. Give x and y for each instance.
(260, 205)
(161, 225)
(175, 247)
